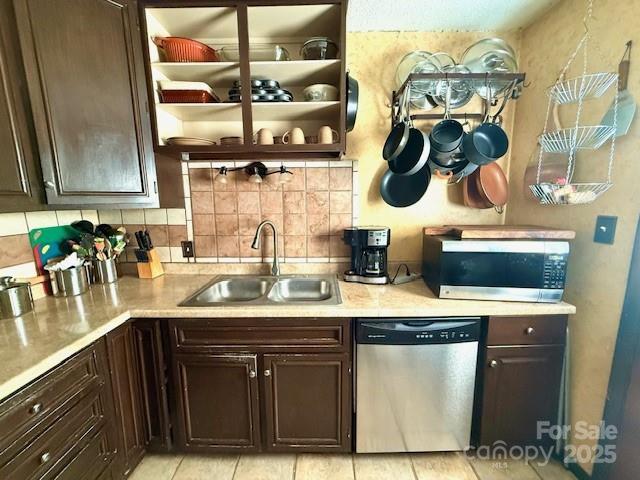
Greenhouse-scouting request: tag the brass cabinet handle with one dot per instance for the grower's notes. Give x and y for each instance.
(530, 331)
(35, 408)
(267, 373)
(252, 374)
(45, 457)
(493, 363)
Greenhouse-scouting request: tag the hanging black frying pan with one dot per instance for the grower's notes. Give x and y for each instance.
(404, 190)
(352, 102)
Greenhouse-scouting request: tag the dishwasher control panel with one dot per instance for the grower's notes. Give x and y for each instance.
(413, 331)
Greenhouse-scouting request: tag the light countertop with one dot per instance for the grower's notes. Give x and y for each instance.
(59, 327)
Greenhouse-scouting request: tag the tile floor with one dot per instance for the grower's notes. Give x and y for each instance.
(427, 466)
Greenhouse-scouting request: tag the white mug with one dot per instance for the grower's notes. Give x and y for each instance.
(294, 137)
(265, 136)
(327, 135)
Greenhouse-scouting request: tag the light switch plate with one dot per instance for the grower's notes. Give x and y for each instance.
(605, 229)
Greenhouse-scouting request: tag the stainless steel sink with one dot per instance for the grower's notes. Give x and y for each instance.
(245, 290)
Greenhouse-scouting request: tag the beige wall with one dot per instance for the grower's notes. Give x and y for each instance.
(597, 273)
(372, 58)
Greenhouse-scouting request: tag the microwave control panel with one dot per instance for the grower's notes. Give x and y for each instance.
(555, 269)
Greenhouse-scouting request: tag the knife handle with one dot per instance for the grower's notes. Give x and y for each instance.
(148, 240)
(139, 240)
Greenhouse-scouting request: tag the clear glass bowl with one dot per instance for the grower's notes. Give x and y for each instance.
(257, 53)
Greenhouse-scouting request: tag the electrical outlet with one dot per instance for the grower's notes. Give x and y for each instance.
(187, 248)
(605, 229)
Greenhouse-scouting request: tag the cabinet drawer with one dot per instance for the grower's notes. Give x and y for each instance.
(46, 454)
(25, 414)
(260, 334)
(538, 330)
(91, 461)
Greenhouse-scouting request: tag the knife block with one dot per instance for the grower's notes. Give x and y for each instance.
(152, 268)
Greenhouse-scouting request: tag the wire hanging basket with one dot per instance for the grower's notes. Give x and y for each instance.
(579, 137)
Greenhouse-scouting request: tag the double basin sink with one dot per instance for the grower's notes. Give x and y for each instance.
(245, 290)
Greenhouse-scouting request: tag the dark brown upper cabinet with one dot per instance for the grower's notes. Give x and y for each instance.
(238, 30)
(83, 59)
(20, 177)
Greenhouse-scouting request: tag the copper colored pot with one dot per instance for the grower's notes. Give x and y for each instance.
(470, 194)
(492, 185)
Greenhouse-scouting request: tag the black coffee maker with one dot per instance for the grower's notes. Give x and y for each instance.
(368, 254)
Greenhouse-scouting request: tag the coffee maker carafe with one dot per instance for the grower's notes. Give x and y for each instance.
(368, 254)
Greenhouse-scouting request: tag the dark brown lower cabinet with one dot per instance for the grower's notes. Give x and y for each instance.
(217, 402)
(521, 388)
(305, 401)
(125, 381)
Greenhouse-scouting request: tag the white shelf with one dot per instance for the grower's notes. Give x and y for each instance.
(199, 23)
(289, 22)
(299, 72)
(288, 111)
(203, 112)
(216, 74)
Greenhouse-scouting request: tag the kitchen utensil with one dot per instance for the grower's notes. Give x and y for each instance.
(414, 155)
(180, 49)
(490, 232)
(404, 190)
(70, 282)
(470, 194)
(141, 255)
(83, 226)
(189, 141)
(309, 139)
(231, 141)
(485, 144)
(265, 137)
(420, 61)
(16, 298)
(352, 102)
(147, 239)
(139, 240)
(492, 184)
(463, 169)
(188, 96)
(446, 136)
(491, 55)
(320, 92)
(257, 53)
(461, 91)
(626, 102)
(399, 135)
(104, 271)
(319, 48)
(51, 242)
(258, 83)
(327, 135)
(294, 137)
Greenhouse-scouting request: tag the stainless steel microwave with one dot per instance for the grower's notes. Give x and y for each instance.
(516, 270)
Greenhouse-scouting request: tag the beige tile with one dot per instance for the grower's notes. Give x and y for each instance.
(297, 180)
(67, 217)
(176, 216)
(156, 467)
(317, 179)
(13, 224)
(337, 247)
(159, 235)
(135, 215)
(164, 253)
(503, 470)
(324, 467)
(295, 224)
(205, 246)
(271, 183)
(340, 179)
(43, 219)
(202, 202)
(176, 255)
(91, 216)
(244, 185)
(227, 224)
(155, 216)
(294, 202)
(204, 224)
(340, 202)
(553, 470)
(338, 222)
(270, 202)
(23, 270)
(201, 180)
(318, 224)
(318, 247)
(442, 466)
(278, 221)
(225, 202)
(112, 217)
(265, 467)
(201, 467)
(382, 467)
(266, 246)
(15, 250)
(230, 186)
(295, 246)
(245, 247)
(228, 246)
(247, 224)
(249, 202)
(177, 235)
(318, 202)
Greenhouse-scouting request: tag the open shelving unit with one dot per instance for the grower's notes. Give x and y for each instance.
(241, 25)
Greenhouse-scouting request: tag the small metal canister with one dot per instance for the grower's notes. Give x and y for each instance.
(104, 271)
(15, 298)
(70, 282)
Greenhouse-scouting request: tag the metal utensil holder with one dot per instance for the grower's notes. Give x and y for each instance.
(70, 282)
(104, 271)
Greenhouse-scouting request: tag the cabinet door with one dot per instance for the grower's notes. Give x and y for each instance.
(307, 402)
(153, 381)
(521, 388)
(127, 397)
(20, 177)
(217, 402)
(88, 95)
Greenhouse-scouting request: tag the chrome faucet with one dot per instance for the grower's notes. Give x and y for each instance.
(275, 268)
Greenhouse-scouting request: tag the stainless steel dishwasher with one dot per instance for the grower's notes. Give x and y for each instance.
(415, 381)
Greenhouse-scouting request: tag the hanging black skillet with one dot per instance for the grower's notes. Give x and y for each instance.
(399, 135)
(352, 102)
(404, 190)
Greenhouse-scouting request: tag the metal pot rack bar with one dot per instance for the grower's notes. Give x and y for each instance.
(475, 79)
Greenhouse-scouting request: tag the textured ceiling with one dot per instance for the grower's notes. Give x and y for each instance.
(437, 15)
